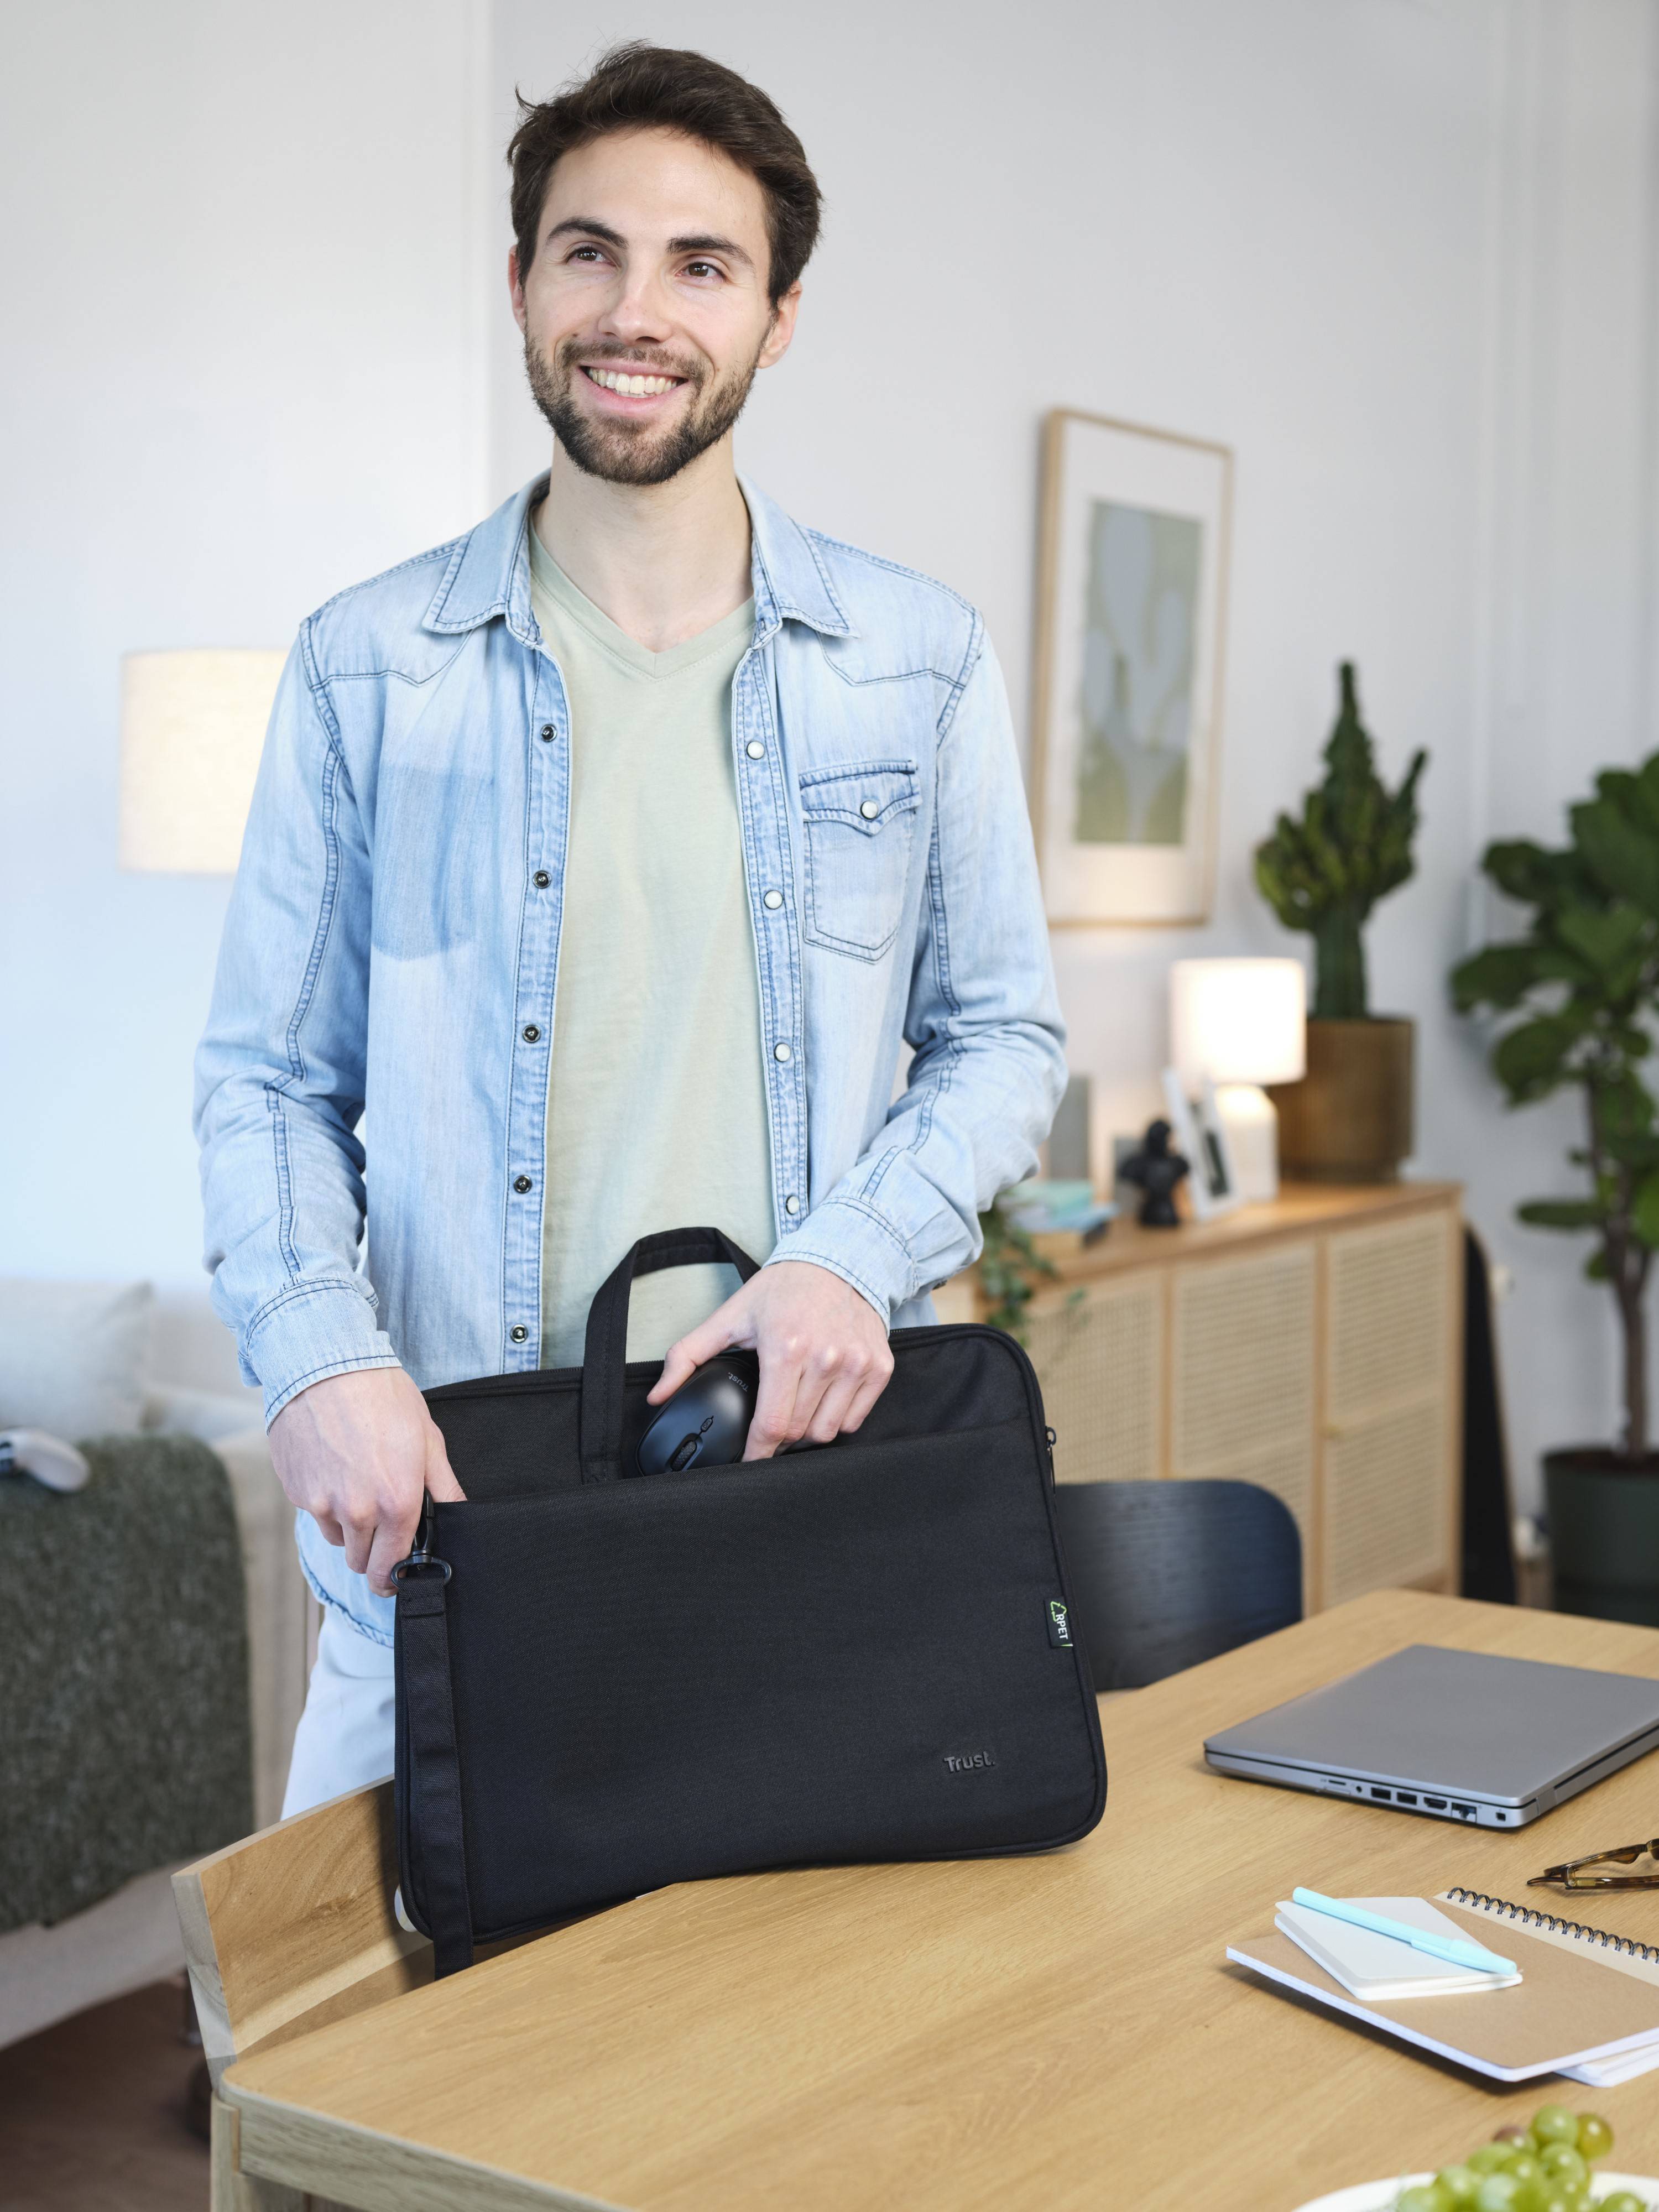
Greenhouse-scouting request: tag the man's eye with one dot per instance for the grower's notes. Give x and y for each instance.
(702, 269)
(587, 252)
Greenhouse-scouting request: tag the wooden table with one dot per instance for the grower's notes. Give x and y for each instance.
(1038, 2033)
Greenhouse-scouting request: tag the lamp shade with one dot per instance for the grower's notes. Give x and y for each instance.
(1238, 1021)
(193, 725)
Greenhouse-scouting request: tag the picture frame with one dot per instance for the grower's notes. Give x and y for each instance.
(1126, 709)
(1200, 1138)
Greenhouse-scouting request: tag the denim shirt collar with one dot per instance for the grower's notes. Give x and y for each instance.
(488, 572)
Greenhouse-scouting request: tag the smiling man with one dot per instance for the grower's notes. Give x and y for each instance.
(609, 856)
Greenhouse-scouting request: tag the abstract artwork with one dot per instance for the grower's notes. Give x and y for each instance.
(1128, 677)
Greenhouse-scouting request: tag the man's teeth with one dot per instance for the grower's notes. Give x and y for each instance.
(632, 388)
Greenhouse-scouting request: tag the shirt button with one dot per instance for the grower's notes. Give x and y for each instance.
(781, 1052)
(755, 748)
(792, 1204)
(869, 809)
(548, 730)
(521, 1183)
(541, 879)
(530, 1033)
(520, 1334)
(773, 899)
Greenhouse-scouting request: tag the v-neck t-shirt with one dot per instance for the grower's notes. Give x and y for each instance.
(656, 1091)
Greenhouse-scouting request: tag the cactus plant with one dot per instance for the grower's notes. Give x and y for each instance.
(1352, 845)
(1585, 979)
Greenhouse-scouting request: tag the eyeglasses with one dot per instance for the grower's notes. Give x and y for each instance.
(1566, 1876)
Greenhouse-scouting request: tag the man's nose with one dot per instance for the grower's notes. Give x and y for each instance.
(638, 311)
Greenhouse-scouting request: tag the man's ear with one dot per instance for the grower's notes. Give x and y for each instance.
(782, 329)
(516, 289)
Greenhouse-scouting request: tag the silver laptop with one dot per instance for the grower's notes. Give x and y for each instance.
(1458, 1734)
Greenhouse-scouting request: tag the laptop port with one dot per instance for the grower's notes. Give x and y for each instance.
(1438, 1803)
(1405, 1797)
(1468, 1811)
(1376, 1792)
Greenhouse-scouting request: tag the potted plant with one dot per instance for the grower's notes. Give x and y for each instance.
(1584, 986)
(1350, 1119)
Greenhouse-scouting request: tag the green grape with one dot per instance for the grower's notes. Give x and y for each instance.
(1565, 2163)
(1622, 2200)
(1497, 2193)
(1555, 2123)
(1595, 2136)
(1457, 2185)
(1524, 2164)
(1488, 2159)
(1419, 2200)
(1514, 2136)
(1541, 2195)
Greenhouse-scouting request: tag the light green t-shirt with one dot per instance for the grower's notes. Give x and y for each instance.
(656, 1093)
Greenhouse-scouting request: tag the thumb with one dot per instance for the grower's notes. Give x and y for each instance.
(440, 1483)
(682, 1360)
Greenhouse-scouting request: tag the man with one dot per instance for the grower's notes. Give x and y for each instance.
(607, 855)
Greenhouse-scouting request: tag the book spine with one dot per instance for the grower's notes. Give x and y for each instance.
(1498, 1908)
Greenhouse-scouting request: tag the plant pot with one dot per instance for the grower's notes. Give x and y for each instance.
(1604, 1533)
(1350, 1118)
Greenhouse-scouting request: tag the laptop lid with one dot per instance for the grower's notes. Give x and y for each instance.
(1508, 1731)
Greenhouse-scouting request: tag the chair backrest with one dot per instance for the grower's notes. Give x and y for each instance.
(1166, 1574)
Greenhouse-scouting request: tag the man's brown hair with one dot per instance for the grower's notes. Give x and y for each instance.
(640, 87)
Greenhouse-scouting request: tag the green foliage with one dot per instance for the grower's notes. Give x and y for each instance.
(1583, 985)
(1351, 847)
(1009, 1268)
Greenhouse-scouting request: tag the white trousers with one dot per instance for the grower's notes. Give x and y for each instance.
(344, 1738)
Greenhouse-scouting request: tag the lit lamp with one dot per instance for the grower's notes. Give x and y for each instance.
(191, 728)
(1242, 1023)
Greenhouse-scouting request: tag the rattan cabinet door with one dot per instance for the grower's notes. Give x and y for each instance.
(1393, 1340)
(1242, 1377)
(1099, 1355)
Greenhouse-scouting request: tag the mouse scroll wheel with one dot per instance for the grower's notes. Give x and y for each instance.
(686, 1450)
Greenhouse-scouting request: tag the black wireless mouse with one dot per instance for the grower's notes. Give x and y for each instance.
(704, 1424)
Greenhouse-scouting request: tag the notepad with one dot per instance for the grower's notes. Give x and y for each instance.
(1376, 1966)
(1588, 2003)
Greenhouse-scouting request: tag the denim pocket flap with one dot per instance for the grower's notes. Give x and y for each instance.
(865, 796)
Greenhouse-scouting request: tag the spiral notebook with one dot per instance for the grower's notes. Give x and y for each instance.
(1587, 2005)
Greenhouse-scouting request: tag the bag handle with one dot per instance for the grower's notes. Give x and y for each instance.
(607, 1350)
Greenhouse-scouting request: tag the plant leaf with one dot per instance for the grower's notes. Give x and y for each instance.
(1560, 1213)
(1622, 855)
(1530, 1060)
(1644, 1211)
(1501, 975)
(1606, 935)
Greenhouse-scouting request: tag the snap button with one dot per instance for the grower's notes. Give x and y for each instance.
(792, 1204)
(548, 730)
(869, 809)
(755, 748)
(519, 1333)
(521, 1183)
(541, 879)
(773, 899)
(781, 1052)
(530, 1033)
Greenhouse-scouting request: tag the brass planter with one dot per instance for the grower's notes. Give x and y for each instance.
(1350, 1120)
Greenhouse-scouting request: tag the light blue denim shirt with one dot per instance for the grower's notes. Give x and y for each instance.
(392, 944)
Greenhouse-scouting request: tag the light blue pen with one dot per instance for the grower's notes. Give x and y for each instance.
(1438, 1946)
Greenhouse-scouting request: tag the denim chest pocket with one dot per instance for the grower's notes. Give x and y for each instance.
(861, 823)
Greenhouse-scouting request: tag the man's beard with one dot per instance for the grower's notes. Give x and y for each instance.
(625, 453)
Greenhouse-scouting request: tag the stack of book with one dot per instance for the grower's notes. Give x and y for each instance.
(1059, 1218)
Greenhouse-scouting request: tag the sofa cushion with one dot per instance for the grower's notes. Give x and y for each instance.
(73, 1356)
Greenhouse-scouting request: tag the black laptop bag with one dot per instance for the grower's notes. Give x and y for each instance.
(606, 1681)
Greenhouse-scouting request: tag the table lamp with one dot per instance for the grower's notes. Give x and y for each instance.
(192, 724)
(1242, 1023)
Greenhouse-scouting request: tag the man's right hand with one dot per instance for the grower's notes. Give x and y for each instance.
(360, 1452)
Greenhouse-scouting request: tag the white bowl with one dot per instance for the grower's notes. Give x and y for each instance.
(1379, 2196)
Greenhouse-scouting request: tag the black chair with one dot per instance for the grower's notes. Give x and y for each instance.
(1166, 1574)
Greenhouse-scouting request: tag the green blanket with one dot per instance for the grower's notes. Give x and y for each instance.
(124, 1702)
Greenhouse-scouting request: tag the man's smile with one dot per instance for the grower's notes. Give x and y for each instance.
(628, 384)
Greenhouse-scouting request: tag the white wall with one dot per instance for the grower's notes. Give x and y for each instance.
(1398, 254)
(241, 368)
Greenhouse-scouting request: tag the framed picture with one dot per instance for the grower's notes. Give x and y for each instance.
(1202, 1140)
(1130, 622)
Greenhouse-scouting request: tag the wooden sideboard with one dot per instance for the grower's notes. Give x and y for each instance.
(1314, 1345)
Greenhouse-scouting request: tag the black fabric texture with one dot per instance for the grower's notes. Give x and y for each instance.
(124, 1728)
(841, 1654)
(1488, 1556)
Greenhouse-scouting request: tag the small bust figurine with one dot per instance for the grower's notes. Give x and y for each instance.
(1157, 1170)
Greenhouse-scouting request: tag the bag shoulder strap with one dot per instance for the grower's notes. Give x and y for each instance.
(432, 1776)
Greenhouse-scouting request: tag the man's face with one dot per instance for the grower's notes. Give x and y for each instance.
(645, 314)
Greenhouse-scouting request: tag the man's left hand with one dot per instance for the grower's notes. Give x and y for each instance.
(824, 1358)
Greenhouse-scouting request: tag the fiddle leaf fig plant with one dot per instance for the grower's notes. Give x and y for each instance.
(1352, 846)
(1582, 984)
